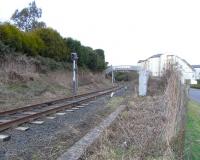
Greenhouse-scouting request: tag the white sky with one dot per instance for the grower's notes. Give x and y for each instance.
(127, 30)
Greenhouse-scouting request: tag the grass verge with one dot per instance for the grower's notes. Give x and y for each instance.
(192, 134)
(197, 86)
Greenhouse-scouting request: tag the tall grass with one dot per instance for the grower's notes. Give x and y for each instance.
(151, 127)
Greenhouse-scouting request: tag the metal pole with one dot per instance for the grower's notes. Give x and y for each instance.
(74, 78)
(113, 76)
(74, 58)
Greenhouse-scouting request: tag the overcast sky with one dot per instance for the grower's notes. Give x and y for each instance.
(127, 30)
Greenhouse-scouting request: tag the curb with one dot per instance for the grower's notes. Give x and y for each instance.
(78, 149)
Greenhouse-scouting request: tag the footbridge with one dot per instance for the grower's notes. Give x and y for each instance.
(143, 75)
(121, 68)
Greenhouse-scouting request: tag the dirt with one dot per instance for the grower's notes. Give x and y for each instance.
(18, 90)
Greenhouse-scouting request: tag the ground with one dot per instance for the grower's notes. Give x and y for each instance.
(51, 139)
(136, 134)
(192, 140)
(26, 80)
(44, 87)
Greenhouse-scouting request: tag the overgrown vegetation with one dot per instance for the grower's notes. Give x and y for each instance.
(192, 141)
(121, 76)
(197, 86)
(149, 128)
(32, 38)
(125, 76)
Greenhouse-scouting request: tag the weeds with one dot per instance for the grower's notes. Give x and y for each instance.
(149, 128)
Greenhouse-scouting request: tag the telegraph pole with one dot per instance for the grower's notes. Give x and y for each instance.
(74, 79)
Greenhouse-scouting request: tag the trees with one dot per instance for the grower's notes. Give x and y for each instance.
(32, 44)
(27, 18)
(47, 42)
(93, 59)
(26, 42)
(101, 65)
(11, 36)
(55, 46)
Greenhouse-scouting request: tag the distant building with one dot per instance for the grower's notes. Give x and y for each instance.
(197, 71)
(159, 63)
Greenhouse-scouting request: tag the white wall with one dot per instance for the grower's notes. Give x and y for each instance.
(197, 73)
(157, 66)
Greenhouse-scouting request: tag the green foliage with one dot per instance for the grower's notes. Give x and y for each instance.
(50, 64)
(49, 43)
(121, 76)
(26, 42)
(11, 36)
(32, 44)
(93, 59)
(197, 86)
(192, 146)
(55, 46)
(26, 19)
(4, 49)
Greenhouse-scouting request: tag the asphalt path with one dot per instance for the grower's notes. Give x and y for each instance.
(195, 94)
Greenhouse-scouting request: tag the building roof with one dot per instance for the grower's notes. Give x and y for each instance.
(155, 56)
(140, 61)
(185, 62)
(196, 66)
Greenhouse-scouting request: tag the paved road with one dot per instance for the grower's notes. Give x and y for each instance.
(195, 94)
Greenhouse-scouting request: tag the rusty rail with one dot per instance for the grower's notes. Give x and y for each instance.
(49, 102)
(28, 118)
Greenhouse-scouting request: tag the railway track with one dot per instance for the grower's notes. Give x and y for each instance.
(16, 117)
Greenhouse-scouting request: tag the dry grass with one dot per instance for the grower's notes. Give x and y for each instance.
(22, 82)
(148, 129)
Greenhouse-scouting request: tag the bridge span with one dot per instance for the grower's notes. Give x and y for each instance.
(121, 68)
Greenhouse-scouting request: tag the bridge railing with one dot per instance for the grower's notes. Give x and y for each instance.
(122, 68)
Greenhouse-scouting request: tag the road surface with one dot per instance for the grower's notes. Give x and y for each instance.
(195, 94)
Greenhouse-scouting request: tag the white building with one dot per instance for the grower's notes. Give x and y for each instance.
(197, 71)
(159, 63)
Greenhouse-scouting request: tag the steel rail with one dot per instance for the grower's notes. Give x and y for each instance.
(24, 119)
(34, 106)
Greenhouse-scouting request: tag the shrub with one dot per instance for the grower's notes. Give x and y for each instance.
(4, 49)
(49, 43)
(55, 46)
(121, 76)
(11, 36)
(32, 44)
(197, 86)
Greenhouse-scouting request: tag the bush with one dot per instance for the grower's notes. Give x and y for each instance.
(55, 46)
(197, 86)
(50, 64)
(4, 49)
(11, 36)
(32, 44)
(121, 76)
(49, 43)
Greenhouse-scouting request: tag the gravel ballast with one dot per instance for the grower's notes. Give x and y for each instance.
(50, 139)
